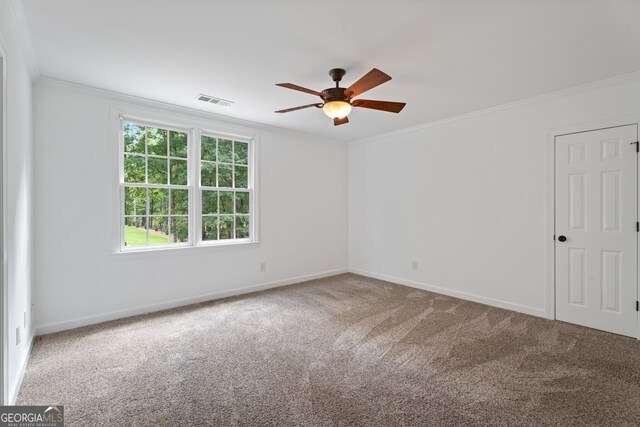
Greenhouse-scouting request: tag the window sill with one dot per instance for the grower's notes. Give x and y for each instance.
(183, 249)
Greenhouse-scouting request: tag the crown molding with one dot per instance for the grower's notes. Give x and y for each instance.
(551, 95)
(118, 96)
(23, 36)
(192, 112)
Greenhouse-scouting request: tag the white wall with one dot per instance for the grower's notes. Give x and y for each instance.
(302, 216)
(19, 187)
(465, 198)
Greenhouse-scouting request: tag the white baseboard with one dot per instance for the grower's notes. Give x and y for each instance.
(99, 318)
(452, 293)
(13, 392)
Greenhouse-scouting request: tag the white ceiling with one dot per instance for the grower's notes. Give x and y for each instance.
(446, 57)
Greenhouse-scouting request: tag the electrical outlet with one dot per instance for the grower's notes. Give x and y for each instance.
(414, 265)
(18, 335)
(263, 266)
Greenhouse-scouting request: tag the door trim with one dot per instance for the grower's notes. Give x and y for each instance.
(550, 209)
(4, 278)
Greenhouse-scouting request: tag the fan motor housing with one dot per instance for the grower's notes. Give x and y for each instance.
(334, 94)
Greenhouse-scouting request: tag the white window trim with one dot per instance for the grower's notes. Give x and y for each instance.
(194, 129)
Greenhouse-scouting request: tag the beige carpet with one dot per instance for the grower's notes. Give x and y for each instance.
(341, 351)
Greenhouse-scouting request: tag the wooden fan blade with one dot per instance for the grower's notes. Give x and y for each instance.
(300, 88)
(392, 107)
(299, 108)
(338, 122)
(370, 80)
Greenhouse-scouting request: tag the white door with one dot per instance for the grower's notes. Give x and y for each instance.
(595, 225)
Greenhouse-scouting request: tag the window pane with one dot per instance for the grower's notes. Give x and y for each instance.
(157, 170)
(226, 227)
(158, 201)
(210, 228)
(209, 202)
(225, 176)
(226, 202)
(133, 138)
(208, 174)
(242, 226)
(179, 202)
(242, 177)
(242, 202)
(179, 229)
(135, 201)
(241, 153)
(134, 169)
(208, 148)
(178, 144)
(136, 221)
(178, 172)
(158, 230)
(225, 151)
(135, 231)
(157, 141)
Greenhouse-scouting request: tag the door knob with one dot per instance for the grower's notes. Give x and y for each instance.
(562, 238)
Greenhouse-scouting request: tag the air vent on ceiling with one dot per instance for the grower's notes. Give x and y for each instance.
(213, 100)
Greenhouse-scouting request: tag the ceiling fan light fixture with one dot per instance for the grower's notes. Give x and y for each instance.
(338, 101)
(336, 109)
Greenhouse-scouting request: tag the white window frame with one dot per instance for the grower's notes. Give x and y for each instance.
(194, 134)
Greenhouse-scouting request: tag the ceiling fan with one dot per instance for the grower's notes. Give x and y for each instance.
(337, 101)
